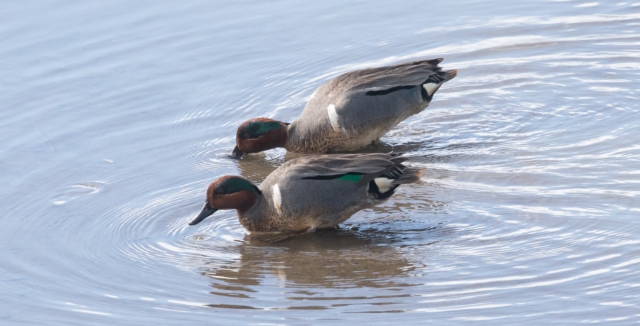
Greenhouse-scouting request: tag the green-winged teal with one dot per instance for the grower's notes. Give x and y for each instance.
(350, 111)
(310, 192)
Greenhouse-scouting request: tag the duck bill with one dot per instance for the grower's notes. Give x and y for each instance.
(237, 153)
(206, 211)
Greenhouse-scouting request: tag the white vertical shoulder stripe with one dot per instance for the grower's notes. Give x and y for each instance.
(333, 117)
(277, 198)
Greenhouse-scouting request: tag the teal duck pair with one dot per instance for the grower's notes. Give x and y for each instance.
(346, 113)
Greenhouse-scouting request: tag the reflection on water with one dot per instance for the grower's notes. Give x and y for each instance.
(116, 116)
(306, 266)
(332, 259)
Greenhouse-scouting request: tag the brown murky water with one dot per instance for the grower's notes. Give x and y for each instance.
(114, 118)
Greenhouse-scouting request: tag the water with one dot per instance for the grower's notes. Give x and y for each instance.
(115, 116)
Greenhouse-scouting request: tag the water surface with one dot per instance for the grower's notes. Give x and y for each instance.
(116, 116)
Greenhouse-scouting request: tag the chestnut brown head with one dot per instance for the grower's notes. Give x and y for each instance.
(228, 192)
(259, 134)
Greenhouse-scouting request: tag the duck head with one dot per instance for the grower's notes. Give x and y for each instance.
(228, 192)
(259, 134)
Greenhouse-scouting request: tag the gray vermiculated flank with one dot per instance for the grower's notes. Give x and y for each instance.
(368, 103)
(323, 203)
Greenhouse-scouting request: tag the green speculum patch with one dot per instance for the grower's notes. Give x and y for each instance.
(351, 177)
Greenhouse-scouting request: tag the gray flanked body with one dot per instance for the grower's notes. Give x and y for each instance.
(355, 109)
(320, 192)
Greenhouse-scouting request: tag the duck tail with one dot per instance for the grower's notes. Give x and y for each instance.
(447, 75)
(409, 175)
(435, 80)
(383, 186)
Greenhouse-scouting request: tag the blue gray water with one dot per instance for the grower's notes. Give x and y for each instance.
(116, 115)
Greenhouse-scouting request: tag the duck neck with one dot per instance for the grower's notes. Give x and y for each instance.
(296, 142)
(255, 218)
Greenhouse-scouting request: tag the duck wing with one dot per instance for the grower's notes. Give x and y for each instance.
(332, 187)
(357, 168)
(376, 97)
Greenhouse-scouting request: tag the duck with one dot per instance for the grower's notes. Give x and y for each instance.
(350, 111)
(310, 192)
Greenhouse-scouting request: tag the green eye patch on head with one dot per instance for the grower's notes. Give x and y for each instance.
(233, 185)
(255, 129)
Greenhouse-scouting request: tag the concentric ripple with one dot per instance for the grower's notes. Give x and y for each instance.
(116, 117)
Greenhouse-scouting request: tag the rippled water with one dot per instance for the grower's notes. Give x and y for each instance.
(115, 116)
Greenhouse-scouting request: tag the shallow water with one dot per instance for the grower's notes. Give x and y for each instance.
(116, 116)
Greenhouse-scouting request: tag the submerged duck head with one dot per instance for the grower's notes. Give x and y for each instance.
(228, 192)
(259, 134)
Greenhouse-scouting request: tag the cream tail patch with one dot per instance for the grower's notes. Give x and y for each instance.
(384, 184)
(431, 88)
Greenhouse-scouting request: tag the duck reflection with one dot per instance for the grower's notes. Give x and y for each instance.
(335, 258)
(327, 258)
